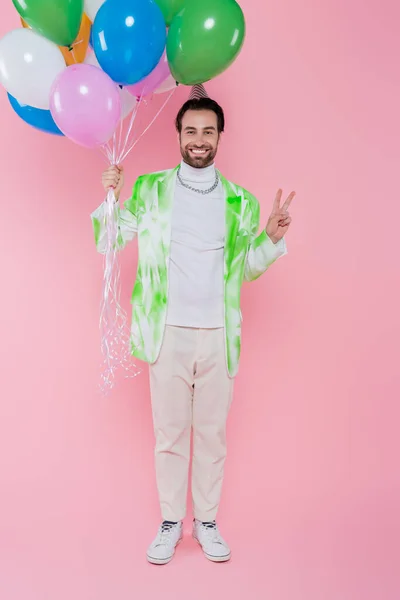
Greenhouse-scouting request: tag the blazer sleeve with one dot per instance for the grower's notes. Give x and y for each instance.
(261, 252)
(126, 217)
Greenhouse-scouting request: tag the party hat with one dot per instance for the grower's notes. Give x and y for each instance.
(198, 91)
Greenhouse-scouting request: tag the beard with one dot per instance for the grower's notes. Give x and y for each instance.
(201, 160)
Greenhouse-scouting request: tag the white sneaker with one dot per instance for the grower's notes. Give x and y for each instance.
(209, 538)
(162, 550)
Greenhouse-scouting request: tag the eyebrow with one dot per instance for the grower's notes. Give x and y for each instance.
(209, 128)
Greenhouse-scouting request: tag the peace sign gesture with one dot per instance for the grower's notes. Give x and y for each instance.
(279, 220)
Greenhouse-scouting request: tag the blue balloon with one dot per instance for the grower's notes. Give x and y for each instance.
(129, 39)
(37, 117)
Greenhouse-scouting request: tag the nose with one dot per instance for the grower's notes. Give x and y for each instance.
(199, 141)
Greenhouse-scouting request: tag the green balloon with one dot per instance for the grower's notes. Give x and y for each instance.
(204, 39)
(56, 20)
(170, 8)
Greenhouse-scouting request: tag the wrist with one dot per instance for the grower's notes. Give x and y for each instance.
(273, 239)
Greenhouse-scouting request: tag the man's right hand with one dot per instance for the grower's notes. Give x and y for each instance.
(113, 177)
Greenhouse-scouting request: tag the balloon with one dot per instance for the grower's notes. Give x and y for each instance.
(152, 81)
(92, 7)
(128, 101)
(28, 66)
(90, 59)
(170, 8)
(168, 85)
(77, 51)
(129, 39)
(38, 118)
(205, 37)
(57, 20)
(86, 105)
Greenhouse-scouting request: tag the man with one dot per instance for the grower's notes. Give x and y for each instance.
(198, 240)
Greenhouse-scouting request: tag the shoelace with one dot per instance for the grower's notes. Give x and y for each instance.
(164, 534)
(167, 526)
(210, 525)
(212, 531)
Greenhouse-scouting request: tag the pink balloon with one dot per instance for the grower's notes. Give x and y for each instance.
(152, 81)
(86, 105)
(167, 86)
(127, 101)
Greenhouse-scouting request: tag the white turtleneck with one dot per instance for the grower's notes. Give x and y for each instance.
(196, 275)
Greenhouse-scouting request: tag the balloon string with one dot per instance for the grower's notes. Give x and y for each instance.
(108, 152)
(115, 333)
(116, 342)
(72, 47)
(130, 127)
(131, 147)
(119, 134)
(114, 149)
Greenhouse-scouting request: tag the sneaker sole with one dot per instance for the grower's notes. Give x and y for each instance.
(217, 559)
(162, 561)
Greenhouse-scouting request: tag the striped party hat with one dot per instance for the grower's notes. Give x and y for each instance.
(198, 91)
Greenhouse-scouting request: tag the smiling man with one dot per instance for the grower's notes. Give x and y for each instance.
(198, 237)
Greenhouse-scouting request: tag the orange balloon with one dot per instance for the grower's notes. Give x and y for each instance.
(77, 51)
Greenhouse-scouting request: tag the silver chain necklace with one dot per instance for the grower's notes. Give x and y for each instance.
(189, 187)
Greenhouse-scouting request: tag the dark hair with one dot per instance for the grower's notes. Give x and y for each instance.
(201, 104)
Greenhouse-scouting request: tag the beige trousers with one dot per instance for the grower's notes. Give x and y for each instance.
(190, 389)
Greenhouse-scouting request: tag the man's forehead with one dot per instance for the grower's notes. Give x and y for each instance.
(199, 119)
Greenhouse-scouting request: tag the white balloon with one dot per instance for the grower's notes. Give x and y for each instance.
(167, 85)
(92, 7)
(29, 64)
(90, 59)
(128, 101)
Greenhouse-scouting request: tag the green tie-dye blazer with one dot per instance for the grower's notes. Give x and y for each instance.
(148, 215)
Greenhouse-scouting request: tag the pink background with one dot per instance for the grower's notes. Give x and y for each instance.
(312, 493)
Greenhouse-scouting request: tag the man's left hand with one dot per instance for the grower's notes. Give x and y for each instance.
(279, 220)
